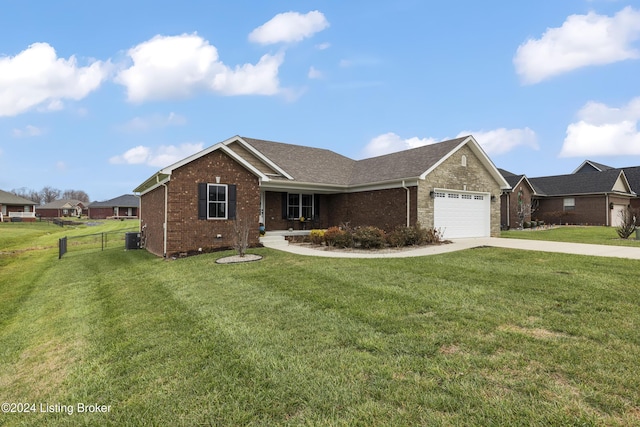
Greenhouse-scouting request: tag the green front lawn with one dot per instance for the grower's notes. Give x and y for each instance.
(479, 337)
(576, 234)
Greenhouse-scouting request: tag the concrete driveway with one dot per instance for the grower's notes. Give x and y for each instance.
(460, 244)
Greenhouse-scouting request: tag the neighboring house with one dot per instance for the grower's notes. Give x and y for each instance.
(518, 203)
(16, 208)
(594, 194)
(193, 203)
(62, 208)
(632, 173)
(126, 206)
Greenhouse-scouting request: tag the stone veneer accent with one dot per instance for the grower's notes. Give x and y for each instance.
(452, 175)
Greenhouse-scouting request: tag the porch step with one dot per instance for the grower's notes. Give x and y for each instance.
(274, 241)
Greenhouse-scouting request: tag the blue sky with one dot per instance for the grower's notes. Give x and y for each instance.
(97, 96)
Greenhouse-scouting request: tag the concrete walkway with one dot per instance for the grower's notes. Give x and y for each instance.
(461, 244)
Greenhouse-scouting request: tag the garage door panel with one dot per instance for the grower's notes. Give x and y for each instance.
(462, 214)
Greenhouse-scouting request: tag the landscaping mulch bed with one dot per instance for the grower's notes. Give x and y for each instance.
(234, 259)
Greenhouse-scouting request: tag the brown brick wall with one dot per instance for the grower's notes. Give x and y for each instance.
(385, 209)
(152, 219)
(452, 175)
(185, 232)
(509, 206)
(589, 210)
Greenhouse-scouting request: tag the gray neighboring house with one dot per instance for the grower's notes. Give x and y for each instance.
(126, 206)
(16, 208)
(192, 204)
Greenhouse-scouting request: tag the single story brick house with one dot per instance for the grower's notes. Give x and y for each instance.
(62, 208)
(13, 206)
(594, 194)
(192, 204)
(126, 206)
(632, 174)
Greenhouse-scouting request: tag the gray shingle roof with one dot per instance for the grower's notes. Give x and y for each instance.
(579, 183)
(316, 165)
(7, 198)
(306, 164)
(124, 201)
(633, 176)
(403, 164)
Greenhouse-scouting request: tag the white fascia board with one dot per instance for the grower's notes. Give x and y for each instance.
(154, 186)
(219, 146)
(332, 189)
(486, 161)
(258, 154)
(625, 181)
(191, 158)
(245, 163)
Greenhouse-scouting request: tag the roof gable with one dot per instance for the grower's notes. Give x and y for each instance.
(633, 177)
(591, 166)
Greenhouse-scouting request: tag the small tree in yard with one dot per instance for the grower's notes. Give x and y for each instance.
(524, 210)
(241, 230)
(627, 223)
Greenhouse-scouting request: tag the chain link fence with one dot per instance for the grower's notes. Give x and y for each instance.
(94, 242)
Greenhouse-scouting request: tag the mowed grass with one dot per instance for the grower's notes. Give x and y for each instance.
(577, 234)
(479, 337)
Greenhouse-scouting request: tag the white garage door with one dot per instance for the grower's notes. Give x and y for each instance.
(616, 215)
(461, 214)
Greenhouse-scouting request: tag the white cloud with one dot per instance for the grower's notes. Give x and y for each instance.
(248, 79)
(581, 41)
(289, 27)
(391, 142)
(36, 77)
(500, 141)
(604, 131)
(61, 166)
(162, 156)
(167, 67)
(315, 73)
(155, 121)
(28, 131)
(323, 46)
(496, 141)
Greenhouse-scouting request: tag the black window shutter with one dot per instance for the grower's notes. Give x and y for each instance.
(202, 200)
(316, 206)
(232, 201)
(285, 197)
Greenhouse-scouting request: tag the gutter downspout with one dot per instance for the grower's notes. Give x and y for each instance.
(164, 225)
(607, 212)
(408, 204)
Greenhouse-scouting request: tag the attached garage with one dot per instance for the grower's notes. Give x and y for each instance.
(461, 214)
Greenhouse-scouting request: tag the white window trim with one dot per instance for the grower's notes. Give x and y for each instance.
(226, 201)
(569, 203)
(300, 205)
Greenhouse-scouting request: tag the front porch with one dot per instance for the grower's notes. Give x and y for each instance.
(18, 217)
(278, 238)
